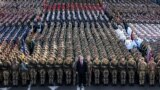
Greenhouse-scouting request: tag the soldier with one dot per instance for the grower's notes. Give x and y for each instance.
(42, 71)
(89, 72)
(68, 69)
(105, 71)
(51, 71)
(59, 70)
(74, 71)
(158, 70)
(24, 69)
(96, 67)
(113, 67)
(15, 73)
(131, 66)
(6, 73)
(122, 67)
(33, 71)
(1, 69)
(152, 71)
(142, 65)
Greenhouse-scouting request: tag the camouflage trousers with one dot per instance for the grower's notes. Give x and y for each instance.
(88, 78)
(114, 77)
(142, 76)
(6, 77)
(123, 77)
(96, 76)
(59, 73)
(151, 77)
(131, 76)
(15, 76)
(68, 74)
(33, 76)
(24, 76)
(51, 76)
(42, 73)
(105, 78)
(74, 77)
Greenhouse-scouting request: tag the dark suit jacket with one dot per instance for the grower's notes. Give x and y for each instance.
(81, 69)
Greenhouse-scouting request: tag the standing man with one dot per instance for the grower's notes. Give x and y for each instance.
(82, 70)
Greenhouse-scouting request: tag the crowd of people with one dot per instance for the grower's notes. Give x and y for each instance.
(142, 11)
(70, 43)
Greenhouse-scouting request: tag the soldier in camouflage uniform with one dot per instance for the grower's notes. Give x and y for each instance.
(15, 71)
(74, 72)
(89, 72)
(6, 72)
(113, 69)
(50, 70)
(33, 71)
(59, 71)
(122, 67)
(42, 71)
(1, 70)
(152, 71)
(158, 70)
(131, 66)
(68, 70)
(142, 66)
(96, 71)
(105, 71)
(24, 69)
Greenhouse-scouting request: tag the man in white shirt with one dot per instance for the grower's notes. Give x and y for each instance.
(129, 43)
(129, 31)
(138, 41)
(120, 34)
(48, 15)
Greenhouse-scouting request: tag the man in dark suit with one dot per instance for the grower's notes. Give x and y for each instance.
(81, 69)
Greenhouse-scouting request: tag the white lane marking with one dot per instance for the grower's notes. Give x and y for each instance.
(78, 88)
(7, 88)
(29, 87)
(53, 87)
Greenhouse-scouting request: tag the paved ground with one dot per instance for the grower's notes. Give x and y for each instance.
(110, 87)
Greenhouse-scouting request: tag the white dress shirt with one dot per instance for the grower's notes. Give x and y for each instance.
(129, 44)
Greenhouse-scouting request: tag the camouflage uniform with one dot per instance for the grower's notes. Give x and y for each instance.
(151, 72)
(122, 67)
(15, 72)
(1, 71)
(142, 71)
(6, 73)
(59, 71)
(89, 73)
(51, 71)
(131, 66)
(158, 71)
(24, 71)
(33, 72)
(42, 71)
(113, 67)
(96, 71)
(74, 73)
(105, 71)
(68, 71)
